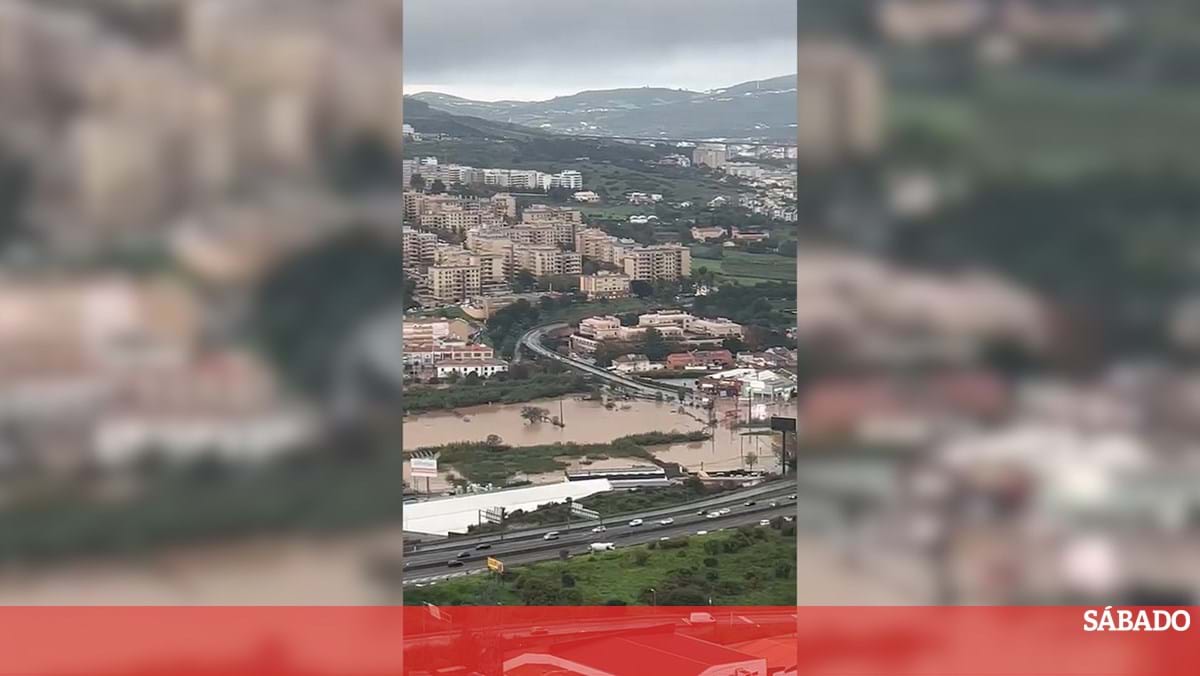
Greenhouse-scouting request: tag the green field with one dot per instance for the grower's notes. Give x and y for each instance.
(748, 566)
(748, 268)
(1059, 125)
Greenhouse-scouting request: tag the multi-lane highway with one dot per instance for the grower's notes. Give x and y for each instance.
(430, 563)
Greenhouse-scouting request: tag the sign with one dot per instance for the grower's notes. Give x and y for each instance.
(494, 515)
(423, 467)
(495, 565)
(579, 510)
(783, 424)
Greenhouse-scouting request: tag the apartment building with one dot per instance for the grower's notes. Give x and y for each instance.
(604, 285)
(454, 283)
(541, 213)
(841, 102)
(546, 261)
(419, 247)
(664, 261)
(712, 155)
(554, 233)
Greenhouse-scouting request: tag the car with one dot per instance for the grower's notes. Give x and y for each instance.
(792, 496)
(484, 545)
(702, 512)
(463, 555)
(552, 535)
(599, 529)
(789, 519)
(663, 538)
(454, 563)
(712, 515)
(636, 522)
(773, 504)
(725, 510)
(667, 521)
(701, 532)
(750, 503)
(764, 522)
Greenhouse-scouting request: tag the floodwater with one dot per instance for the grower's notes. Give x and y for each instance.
(591, 422)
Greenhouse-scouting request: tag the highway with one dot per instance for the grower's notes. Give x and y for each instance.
(430, 565)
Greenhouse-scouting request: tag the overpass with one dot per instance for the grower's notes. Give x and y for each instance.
(532, 340)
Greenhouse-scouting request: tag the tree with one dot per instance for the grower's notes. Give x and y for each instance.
(641, 288)
(654, 346)
(438, 187)
(751, 459)
(534, 414)
(494, 441)
(524, 281)
(417, 182)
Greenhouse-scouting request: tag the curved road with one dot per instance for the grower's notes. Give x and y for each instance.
(533, 341)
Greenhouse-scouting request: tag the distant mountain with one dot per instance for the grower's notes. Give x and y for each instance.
(762, 109)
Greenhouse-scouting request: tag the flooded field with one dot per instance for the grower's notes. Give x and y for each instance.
(591, 422)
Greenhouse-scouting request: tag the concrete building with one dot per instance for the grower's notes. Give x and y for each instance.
(541, 213)
(454, 283)
(703, 234)
(484, 368)
(548, 261)
(664, 261)
(419, 247)
(604, 285)
(713, 155)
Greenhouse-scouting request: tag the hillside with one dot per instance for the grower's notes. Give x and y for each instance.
(764, 109)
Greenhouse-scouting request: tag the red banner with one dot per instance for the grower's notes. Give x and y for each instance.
(746, 641)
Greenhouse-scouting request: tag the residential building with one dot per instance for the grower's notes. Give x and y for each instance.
(664, 261)
(538, 213)
(419, 247)
(604, 285)
(713, 155)
(427, 355)
(703, 234)
(454, 283)
(547, 261)
(634, 363)
(484, 368)
(586, 196)
(700, 359)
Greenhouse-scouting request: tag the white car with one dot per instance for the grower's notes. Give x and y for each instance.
(667, 521)
(789, 519)
(725, 510)
(552, 535)
(663, 538)
(712, 515)
(701, 532)
(599, 529)
(636, 522)
(764, 522)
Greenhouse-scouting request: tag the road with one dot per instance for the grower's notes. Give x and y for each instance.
(532, 340)
(431, 567)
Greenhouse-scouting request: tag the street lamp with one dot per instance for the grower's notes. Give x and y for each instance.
(653, 597)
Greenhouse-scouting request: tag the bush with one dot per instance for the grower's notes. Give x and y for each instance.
(710, 562)
(641, 557)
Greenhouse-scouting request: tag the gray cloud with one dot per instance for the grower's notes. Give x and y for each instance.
(568, 45)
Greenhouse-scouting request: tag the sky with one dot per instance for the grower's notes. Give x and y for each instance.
(536, 49)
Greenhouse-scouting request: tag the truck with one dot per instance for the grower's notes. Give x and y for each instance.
(602, 546)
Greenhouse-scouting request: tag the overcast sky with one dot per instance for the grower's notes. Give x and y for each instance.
(538, 49)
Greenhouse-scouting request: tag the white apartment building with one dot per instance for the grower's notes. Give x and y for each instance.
(484, 368)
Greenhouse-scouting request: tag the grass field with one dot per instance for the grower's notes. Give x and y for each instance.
(1061, 126)
(748, 268)
(748, 566)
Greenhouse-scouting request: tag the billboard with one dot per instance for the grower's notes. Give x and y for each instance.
(495, 565)
(423, 467)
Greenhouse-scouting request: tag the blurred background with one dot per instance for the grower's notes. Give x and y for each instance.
(196, 201)
(996, 296)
